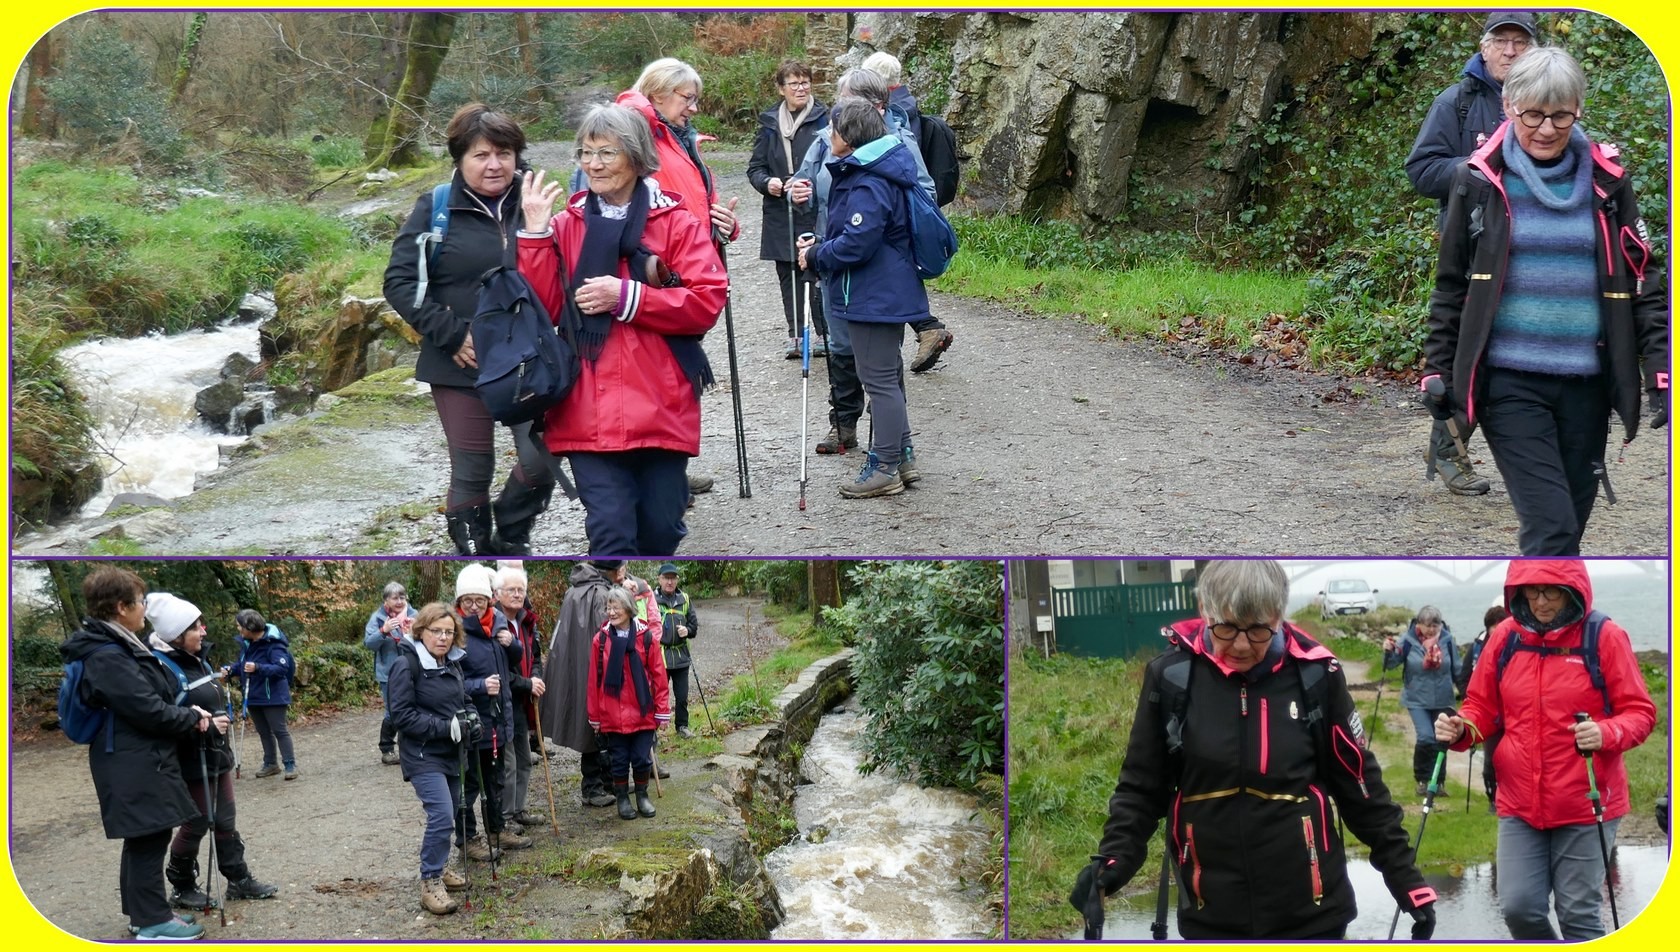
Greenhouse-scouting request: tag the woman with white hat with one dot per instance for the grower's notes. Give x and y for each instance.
(489, 686)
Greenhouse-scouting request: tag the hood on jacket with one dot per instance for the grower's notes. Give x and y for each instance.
(1568, 573)
(1476, 66)
(585, 574)
(631, 99)
(1297, 644)
(888, 157)
(93, 634)
(273, 633)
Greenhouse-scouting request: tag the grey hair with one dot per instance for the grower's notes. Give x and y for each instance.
(856, 121)
(1429, 615)
(886, 66)
(622, 596)
(506, 575)
(1545, 76)
(626, 127)
(394, 588)
(1243, 591)
(863, 82)
(662, 77)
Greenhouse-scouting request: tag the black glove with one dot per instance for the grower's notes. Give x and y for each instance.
(1423, 922)
(472, 728)
(1437, 398)
(1659, 407)
(1100, 871)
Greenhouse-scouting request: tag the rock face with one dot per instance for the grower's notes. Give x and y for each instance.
(1104, 115)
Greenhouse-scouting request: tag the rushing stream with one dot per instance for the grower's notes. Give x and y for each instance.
(141, 392)
(877, 858)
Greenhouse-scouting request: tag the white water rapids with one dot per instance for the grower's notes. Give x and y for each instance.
(894, 861)
(141, 393)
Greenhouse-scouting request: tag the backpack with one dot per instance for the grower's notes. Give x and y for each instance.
(1587, 651)
(181, 677)
(939, 153)
(524, 366)
(79, 720)
(932, 241)
(430, 240)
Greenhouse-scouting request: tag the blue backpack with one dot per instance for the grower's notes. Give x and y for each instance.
(79, 720)
(932, 241)
(524, 366)
(430, 240)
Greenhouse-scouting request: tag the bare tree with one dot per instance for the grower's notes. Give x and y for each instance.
(824, 578)
(188, 60)
(424, 50)
(38, 118)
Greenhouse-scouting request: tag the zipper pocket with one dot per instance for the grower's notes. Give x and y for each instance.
(1189, 859)
(1265, 738)
(1312, 859)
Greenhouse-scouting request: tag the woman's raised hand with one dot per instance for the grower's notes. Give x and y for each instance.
(537, 200)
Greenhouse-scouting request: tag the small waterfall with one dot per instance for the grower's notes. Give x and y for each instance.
(877, 858)
(141, 392)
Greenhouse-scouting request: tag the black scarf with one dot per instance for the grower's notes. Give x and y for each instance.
(615, 670)
(607, 242)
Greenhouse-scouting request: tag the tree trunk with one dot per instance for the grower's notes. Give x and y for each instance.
(188, 60)
(386, 83)
(38, 118)
(824, 575)
(238, 583)
(430, 572)
(64, 592)
(426, 46)
(536, 92)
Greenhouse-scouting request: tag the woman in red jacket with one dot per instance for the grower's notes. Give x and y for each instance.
(667, 95)
(637, 283)
(1547, 848)
(629, 698)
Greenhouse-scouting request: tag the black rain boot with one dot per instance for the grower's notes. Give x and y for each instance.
(516, 510)
(182, 874)
(621, 790)
(469, 529)
(644, 806)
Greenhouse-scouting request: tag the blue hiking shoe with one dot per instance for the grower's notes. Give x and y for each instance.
(175, 930)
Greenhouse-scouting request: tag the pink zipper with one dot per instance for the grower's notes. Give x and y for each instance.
(1265, 738)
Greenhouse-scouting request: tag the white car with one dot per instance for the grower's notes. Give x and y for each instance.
(1346, 596)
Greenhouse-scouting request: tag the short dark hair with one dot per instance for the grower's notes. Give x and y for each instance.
(789, 69)
(476, 121)
(105, 589)
(1494, 616)
(250, 619)
(856, 121)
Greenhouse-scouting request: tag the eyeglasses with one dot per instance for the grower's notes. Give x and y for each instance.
(1515, 44)
(1256, 634)
(801, 84)
(604, 156)
(438, 632)
(1533, 118)
(510, 590)
(1550, 593)
(693, 100)
(478, 600)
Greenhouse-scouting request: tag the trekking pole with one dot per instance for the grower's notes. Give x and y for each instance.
(1469, 778)
(1435, 777)
(703, 705)
(1581, 717)
(210, 816)
(805, 376)
(734, 376)
(461, 816)
(484, 810)
(548, 772)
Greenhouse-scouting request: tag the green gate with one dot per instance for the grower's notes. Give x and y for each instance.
(1119, 621)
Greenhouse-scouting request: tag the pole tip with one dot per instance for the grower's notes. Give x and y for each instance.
(801, 505)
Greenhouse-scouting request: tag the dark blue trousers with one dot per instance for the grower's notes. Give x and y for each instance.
(633, 501)
(1546, 432)
(630, 753)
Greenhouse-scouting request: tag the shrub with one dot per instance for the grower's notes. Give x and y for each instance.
(104, 93)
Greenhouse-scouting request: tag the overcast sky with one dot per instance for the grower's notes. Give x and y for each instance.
(1394, 573)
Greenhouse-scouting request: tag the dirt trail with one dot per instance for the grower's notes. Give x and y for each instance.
(342, 840)
(1034, 436)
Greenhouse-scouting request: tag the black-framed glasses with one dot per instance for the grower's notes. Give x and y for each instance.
(1256, 634)
(1534, 118)
(798, 84)
(1550, 593)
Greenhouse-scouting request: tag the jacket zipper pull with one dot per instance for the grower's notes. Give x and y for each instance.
(1243, 697)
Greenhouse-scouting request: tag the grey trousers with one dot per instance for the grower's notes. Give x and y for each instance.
(880, 366)
(516, 767)
(1565, 866)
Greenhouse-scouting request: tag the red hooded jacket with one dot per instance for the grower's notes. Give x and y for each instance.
(677, 175)
(1542, 779)
(634, 396)
(620, 713)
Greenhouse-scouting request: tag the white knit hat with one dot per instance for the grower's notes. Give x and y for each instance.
(475, 579)
(170, 616)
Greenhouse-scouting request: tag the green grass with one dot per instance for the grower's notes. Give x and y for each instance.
(750, 696)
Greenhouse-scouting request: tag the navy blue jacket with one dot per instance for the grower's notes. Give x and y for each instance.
(271, 684)
(865, 258)
(485, 657)
(1464, 111)
(424, 696)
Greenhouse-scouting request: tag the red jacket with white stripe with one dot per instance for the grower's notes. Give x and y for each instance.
(621, 713)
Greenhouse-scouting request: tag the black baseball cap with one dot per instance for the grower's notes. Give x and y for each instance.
(1523, 20)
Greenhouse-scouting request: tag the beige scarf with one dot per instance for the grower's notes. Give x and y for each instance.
(790, 124)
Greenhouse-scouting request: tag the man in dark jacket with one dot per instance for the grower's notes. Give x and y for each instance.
(524, 655)
(1460, 120)
(679, 626)
(564, 708)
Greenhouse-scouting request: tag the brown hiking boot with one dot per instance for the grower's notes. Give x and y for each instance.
(929, 345)
(838, 441)
(480, 852)
(509, 840)
(453, 880)
(436, 898)
(1460, 477)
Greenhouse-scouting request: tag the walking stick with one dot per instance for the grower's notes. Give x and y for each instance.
(734, 376)
(484, 810)
(461, 815)
(548, 772)
(210, 816)
(1598, 814)
(244, 716)
(704, 706)
(1435, 777)
(653, 758)
(805, 376)
(1469, 778)
(1382, 682)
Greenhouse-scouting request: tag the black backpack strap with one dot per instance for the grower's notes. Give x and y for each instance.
(1587, 652)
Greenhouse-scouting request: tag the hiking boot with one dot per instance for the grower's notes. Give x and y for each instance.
(291, 772)
(819, 347)
(792, 351)
(872, 480)
(452, 879)
(644, 806)
(929, 345)
(434, 895)
(469, 529)
(510, 825)
(389, 758)
(480, 852)
(250, 888)
(907, 472)
(663, 774)
(182, 873)
(529, 820)
(180, 916)
(190, 897)
(1423, 788)
(698, 483)
(597, 798)
(515, 511)
(509, 840)
(838, 441)
(268, 770)
(1460, 477)
(626, 810)
(174, 930)
(685, 734)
